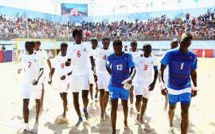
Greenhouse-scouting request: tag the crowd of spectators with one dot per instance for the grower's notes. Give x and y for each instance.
(162, 28)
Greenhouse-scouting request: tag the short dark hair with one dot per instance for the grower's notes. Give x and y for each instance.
(77, 31)
(31, 43)
(175, 40)
(94, 40)
(186, 36)
(64, 44)
(105, 38)
(147, 45)
(134, 42)
(37, 42)
(117, 42)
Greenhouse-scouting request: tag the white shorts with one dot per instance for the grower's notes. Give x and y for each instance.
(103, 80)
(141, 88)
(64, 85)
(32, 90)
(91, 77)
(79, 82)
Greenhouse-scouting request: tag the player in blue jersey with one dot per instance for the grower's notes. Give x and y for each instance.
(182, 65)
(122, 70)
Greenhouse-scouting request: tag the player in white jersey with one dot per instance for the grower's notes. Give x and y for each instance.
(63, 73)
(32, 71)
(44, 58)
(147, 72)
(102, 74)
(94, 43)
(79, 56)
(135, 54)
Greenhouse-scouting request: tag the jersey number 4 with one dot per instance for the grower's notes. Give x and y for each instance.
(119, 67)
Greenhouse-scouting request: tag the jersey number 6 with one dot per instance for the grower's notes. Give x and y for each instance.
(79, 54)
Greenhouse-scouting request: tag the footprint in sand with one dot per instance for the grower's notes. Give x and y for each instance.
(16, 117)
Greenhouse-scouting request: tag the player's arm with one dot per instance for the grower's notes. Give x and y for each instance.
(194, 78)
(68, 62)
(164, 62)
(127, 82)
(50, 75)
(108, 65)
(152, 85)
(39, 76)
(132, 72)
(49, 64)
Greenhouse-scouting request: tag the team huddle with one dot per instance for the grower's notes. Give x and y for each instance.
(117, 74)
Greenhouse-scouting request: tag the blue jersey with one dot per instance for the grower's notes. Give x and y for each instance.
(180, 67)
(120, 67)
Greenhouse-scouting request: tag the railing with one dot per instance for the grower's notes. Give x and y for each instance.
(12, 36)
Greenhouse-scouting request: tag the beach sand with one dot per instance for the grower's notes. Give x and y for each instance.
(202, 110)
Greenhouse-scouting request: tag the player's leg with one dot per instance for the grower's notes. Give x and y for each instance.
(185, 118)
(61, 96)
(64, 98)
(85, 102)
(91, 91)
(138, 105)
(77, 107)
(38, 104)
(132, 98)
(25, 111)
(114, 106)
(173, 99)
(106, 99)
(143, 108)
(171, 114)
(97, 92)
(42, 96)
(114, 95)
(124, 95)
(101, 102)
(138, 88)
(125, 111)
(75, 87)
(185, 100)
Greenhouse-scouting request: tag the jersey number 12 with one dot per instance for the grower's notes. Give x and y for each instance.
(119, 67)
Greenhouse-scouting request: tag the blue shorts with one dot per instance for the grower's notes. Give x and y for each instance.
(117, 92)
(184, 98)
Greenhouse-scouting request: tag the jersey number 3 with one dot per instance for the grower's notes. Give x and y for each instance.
(119, 67)
(145, 67)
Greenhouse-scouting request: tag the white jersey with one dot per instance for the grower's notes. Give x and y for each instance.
(79, 55)
(43, 55)
(135, 55)
(145, 67)
(59, 64)
(100, 59)
(31, 65)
